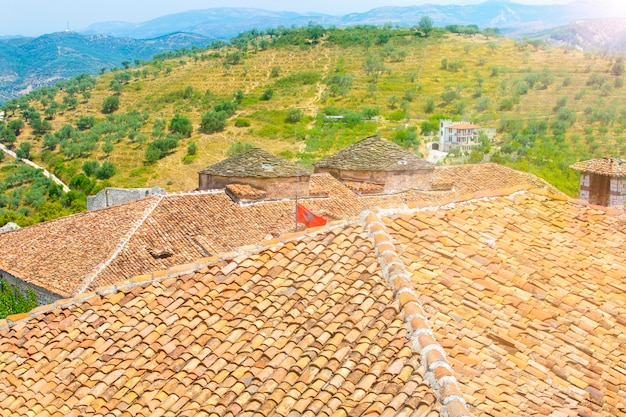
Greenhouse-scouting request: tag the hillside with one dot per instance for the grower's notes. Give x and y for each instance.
(27, 64)
(551, 106)
(607, 35)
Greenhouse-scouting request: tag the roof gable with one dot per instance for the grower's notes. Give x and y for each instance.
(375, 154)
(256, 163)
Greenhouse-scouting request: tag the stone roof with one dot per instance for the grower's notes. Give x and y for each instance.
(511, 304)
(611, 167)
(256, 163)
(103, 246)
(375, 154)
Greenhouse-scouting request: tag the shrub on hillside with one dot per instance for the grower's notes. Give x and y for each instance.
(110, 104)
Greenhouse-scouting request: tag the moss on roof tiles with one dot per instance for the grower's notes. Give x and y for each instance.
(256, 163)
(612, 167)
(375, 154)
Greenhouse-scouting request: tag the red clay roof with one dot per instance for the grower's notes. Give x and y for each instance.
(85, 251)
(511, 303)
(611, 167)
(463, 126)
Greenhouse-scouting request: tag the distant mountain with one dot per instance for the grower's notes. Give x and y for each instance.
(589, 34)
(225, 23)
(28, 63)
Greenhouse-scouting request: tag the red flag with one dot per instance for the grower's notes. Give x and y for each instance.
(304, 215)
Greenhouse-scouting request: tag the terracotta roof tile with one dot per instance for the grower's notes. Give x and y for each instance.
(159, 232)
(174, 346)
(517, 312)
(603, 166)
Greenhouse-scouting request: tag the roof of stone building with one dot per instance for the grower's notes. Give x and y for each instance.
(375, 154)
(511, 304)
(612, 167)
(85, 251)
(255, 163)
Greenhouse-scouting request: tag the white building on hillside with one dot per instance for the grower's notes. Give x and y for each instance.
(452, 135)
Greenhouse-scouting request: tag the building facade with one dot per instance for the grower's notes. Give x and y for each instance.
(453, 135)
(602, 181)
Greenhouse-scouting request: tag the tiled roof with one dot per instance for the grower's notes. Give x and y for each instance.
(256, 163)
(472, 178)
(526, 295)
(375, 154)
(512, 304)
(245, 192)
(463, 126)
(603, 166)
(88, 250)
(306, 328)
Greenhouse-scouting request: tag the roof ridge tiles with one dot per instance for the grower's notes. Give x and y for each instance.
(88, 279)
(174, 271)
(421, 336)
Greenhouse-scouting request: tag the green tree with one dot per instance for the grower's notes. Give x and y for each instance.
(23, 152)
(90, 167)
(429, 106)
(212, 122)
(238, 147)
(182, 125)
(105, 171)
(425, 25)
(110, 104)
(108, 147)
(294, 115)
(13, 301)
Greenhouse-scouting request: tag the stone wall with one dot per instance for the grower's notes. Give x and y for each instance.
(43, 296)
(276, 188)
(393, 181)
(114, 196)
(618, 191)
(406, 180)
(602, 190)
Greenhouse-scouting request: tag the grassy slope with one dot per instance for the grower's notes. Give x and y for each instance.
(422, 63)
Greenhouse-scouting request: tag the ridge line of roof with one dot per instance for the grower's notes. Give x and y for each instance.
(176, 271)
(439, 372)
(88, 279)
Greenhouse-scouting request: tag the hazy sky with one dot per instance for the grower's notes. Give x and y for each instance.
(36, 17)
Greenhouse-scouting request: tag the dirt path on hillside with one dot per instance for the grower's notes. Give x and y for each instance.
(310, 108)
(46, 173)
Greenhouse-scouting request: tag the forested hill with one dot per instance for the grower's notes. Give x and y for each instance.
(162, 121)
(29, 63)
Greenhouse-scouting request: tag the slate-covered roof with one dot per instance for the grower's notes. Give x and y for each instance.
(85, 251)
(612, 167)
(512, 304)
(255, 163)
(375, 154)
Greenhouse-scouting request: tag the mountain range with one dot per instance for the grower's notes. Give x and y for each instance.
(28, 63)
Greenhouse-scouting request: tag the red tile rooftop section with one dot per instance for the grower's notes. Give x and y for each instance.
(513, 300)
(307, 328)
(526, 295)
(89, 250)
(463, 126)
